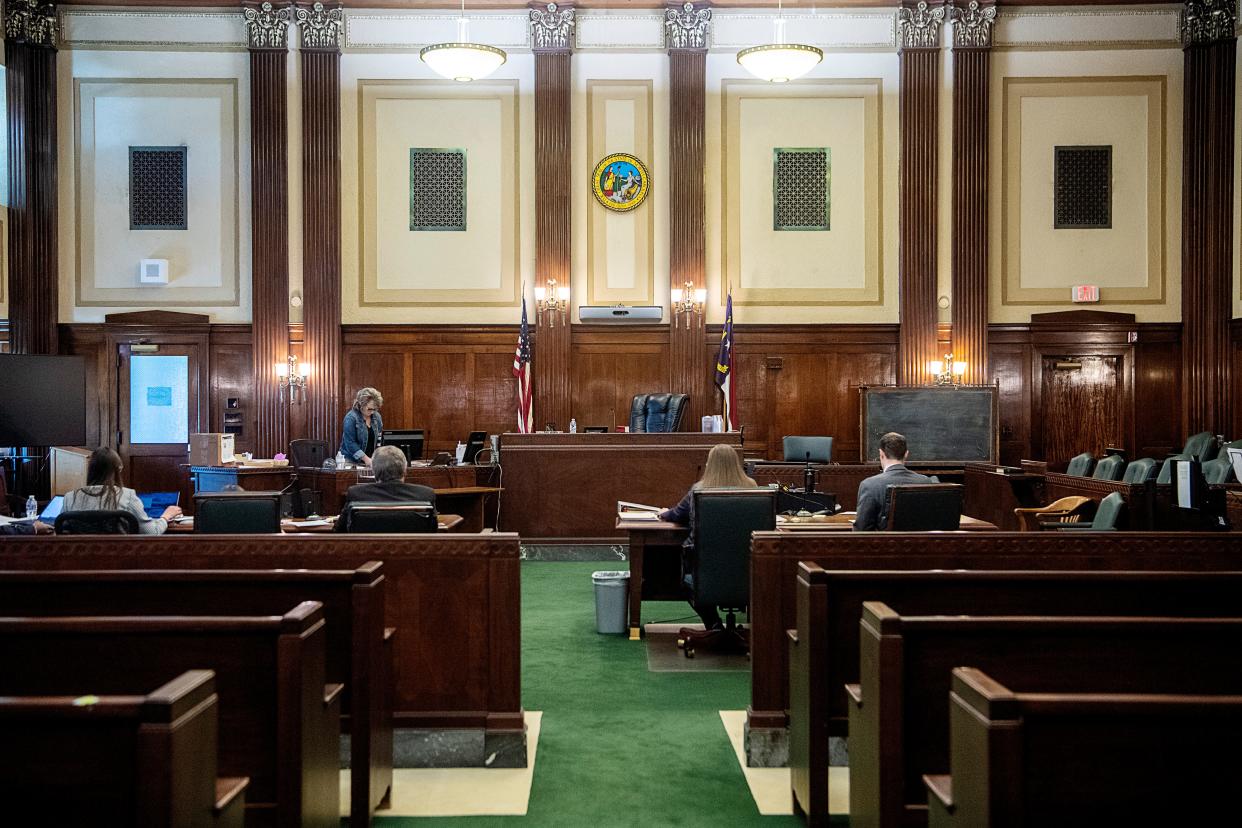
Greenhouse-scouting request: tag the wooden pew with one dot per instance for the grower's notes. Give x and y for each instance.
(899, 723)
(824, 650)
(279, 722)
(1085, 758)
(454, 601)
(358, 652)
(140, 760)
(774, 574)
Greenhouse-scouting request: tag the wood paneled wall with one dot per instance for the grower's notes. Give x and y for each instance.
(611, 365)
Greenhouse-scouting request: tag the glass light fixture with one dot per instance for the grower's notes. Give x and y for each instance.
(292, 377)
(778, 62)
(687, 302)
(462, 60)
(553, 301)
(947, 371)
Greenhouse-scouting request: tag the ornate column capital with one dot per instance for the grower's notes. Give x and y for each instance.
(687, 26)
(31, 22)
(267, 27)
(972, 25)
(321, 29)
(552, 27)
(1208, 21)
(918, 27)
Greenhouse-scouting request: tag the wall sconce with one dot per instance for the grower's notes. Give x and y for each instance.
(946, 371)
(688, 302)
(292, 377)
(553, 301)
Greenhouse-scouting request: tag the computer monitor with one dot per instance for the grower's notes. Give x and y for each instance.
(474, 444)
(409, 440)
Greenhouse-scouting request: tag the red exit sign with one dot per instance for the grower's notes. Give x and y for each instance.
(1085, 293)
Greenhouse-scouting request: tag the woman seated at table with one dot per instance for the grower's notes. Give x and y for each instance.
(363, 429)
(105, 492)
(723, 470)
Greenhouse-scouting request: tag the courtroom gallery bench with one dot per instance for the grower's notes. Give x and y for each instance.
(279, 722)
(899, 718)
(454, 601)
(358, 652)
(824, 649)
(774, 574)
(1078, 758)
(145, 760)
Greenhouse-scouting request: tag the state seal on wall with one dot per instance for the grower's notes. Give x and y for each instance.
(620, 182)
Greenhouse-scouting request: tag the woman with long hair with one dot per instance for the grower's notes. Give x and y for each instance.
(363, 429)
(723, 470)
(104, 491)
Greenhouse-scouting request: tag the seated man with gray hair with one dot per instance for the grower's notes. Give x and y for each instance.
(388, 463)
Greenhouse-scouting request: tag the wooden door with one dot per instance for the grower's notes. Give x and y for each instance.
(1082, 406)
(159, 405)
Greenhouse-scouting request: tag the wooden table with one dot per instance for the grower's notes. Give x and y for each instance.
(445, 523)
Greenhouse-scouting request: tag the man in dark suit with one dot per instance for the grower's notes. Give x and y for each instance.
(873, 492)
(388, 463)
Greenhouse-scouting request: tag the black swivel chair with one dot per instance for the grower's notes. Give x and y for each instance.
(237, 513)
(723, 522)
(657, 412)
(308, 454)
(924, 507)
(96, 522)
(415, 516)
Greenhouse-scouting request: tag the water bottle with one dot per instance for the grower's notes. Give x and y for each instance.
(573, 426)
(32, 507)
(340, 460)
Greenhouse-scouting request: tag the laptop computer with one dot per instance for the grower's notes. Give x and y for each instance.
(156, 502)
(52, 509)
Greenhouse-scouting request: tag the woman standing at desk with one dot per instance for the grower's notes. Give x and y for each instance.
(723, 470)
(363, 429)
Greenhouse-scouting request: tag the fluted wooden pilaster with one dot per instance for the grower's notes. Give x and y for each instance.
(321, 240)
(687, 158)
(970, 210)
(33, 270)
(269, 141)
(1207, 235)
(553, 220)
(919, 101)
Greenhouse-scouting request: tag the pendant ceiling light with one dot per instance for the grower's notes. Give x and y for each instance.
(462, 60)
(779, 61)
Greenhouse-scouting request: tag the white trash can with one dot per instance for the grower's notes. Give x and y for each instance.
(611, 592)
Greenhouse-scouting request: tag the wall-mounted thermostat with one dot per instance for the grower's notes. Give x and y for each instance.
(153, 271)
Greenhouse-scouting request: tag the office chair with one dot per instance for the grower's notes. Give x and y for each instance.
(1070, 509)
(1107, 516)
(1201, 446)
(924, 507)
(797, 449)
(1109, 468)
(237, 513)
(1080, 465)
(657, 412)
(308, 454)
(720, 574)
(96, 522)
(1140, 471)
(415, 516)
(1165, 477)
(1218, 471)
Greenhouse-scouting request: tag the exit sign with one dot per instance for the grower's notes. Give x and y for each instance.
(1085, 293)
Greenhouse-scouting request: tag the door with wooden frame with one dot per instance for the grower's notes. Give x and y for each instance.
(1082, 400)
(159, 404)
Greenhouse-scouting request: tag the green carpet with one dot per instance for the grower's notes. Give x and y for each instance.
(619, 746)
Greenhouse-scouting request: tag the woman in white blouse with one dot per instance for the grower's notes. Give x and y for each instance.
(103, 491)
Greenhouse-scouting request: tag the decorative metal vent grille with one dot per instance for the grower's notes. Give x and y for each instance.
(437, 189)
(801, 187)
(1082, 188)
(157, 188)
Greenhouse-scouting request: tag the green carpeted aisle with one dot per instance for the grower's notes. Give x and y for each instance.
(620, 746)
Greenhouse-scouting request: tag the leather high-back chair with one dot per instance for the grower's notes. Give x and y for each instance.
(1109, 468)
(1080, 465)
(1218, 471)
(237, 513)
(96, 522)
(1140, 471)
(1201, 446)
(798, 448)
(723, 522)
(415, 516)
(308, 454)
(1165, 477)
(657, 412)
(922, 507)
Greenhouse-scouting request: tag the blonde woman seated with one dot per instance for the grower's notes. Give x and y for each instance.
(722, 471)
(104, 492)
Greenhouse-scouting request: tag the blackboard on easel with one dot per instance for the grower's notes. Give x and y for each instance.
(942, 424)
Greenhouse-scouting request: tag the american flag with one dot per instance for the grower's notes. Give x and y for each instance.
(521, 370)
(724, 368)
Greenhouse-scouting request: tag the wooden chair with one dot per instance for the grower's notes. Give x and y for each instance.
(1070, 509)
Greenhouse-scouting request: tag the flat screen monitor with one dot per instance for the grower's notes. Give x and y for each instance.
(474, 444)
(409, 440)
(44, 400)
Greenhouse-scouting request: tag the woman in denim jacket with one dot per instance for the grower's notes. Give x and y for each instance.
(363, 429)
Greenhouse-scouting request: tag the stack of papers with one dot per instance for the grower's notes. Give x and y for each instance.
(637, 511)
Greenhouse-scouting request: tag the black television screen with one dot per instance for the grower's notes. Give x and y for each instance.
(409, 440)
(42, 401)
